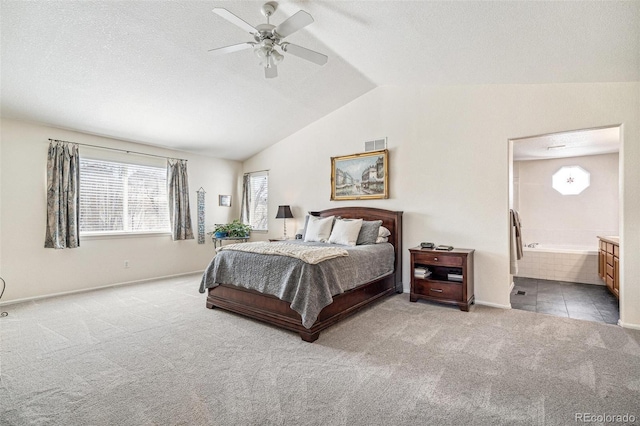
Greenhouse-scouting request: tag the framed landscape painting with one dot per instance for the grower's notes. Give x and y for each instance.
(360, 176)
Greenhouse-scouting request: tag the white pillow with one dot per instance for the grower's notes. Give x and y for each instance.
(383, 232)
(381, 240)
(345, 232)
(318, 229)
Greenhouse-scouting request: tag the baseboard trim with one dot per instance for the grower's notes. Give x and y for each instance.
(628, 325)
(492, 305)
(83, 290)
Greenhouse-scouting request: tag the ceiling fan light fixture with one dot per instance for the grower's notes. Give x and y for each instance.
(268, 37)
(262, 52)
(276, 57)
(267, 62)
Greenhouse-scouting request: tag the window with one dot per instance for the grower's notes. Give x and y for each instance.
(120, 197)
(571, 180)
(258, 201)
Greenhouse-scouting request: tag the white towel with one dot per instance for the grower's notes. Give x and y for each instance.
(515, 242)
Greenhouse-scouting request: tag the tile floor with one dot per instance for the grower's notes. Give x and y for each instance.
(564, 299)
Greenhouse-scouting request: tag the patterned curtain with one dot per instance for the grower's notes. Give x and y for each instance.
(201, 216)
(246, 199)
(178, 194)
(63, 196)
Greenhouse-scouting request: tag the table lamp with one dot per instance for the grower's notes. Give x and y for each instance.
(284, 212)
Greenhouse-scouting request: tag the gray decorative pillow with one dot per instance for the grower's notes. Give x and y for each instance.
(369, 232)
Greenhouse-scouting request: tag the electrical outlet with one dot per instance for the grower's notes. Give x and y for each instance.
(126, 263)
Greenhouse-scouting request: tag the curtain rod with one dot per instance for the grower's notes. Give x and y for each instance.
(257, 171)
(117, 149)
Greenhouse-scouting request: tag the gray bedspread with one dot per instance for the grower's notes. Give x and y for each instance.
(308, 288)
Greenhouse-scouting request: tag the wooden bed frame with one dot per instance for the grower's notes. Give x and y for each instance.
(274, 311)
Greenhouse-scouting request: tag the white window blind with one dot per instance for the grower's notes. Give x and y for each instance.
(120, 197)
(259, 186)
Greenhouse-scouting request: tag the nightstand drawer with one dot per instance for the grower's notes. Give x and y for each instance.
(434, 258)
(438, 289)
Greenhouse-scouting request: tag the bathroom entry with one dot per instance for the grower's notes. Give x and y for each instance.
(565, 187)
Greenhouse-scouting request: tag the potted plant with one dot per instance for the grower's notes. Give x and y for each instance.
(238, 229)
(235, 229)
(220, 231)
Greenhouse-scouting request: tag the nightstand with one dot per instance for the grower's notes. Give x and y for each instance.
(449, 278)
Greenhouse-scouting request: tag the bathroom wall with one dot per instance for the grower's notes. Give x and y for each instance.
(548, 263)
(549, 217)
(516, 185)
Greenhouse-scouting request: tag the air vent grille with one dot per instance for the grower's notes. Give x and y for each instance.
(375, 145)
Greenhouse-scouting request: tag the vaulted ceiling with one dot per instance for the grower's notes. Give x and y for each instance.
(141, 71)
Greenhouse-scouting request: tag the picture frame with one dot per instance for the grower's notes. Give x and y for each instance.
(224, 200)
(362, 176)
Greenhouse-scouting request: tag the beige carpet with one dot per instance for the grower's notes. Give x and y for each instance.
(152, 354)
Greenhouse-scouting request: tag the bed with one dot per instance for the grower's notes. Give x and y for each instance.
(271, 309)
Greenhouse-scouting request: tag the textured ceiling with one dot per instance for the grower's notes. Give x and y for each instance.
(140, 70)
(576, 143)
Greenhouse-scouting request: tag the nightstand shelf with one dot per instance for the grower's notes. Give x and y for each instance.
(451, 279)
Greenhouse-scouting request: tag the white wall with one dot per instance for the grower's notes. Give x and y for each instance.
(0, 201)
(549, 217)
(31, 270)
(449, 164)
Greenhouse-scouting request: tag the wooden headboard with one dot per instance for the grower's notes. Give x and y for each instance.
(391, 220)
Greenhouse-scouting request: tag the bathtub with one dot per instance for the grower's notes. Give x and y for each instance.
(570, 263)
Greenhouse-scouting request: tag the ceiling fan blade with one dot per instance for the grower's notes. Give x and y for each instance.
(304, 53)
(232, 48)
(295, 22)
(271, 72)
(234, 20)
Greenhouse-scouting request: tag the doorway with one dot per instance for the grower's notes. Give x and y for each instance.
(565, 187)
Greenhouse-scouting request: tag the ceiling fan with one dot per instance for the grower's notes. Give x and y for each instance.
(269, 37)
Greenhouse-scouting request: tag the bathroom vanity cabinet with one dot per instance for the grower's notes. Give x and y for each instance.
(608, 263)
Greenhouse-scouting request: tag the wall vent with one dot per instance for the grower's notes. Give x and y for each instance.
(375, 145)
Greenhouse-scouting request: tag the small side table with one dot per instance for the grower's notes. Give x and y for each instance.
(216, 240)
